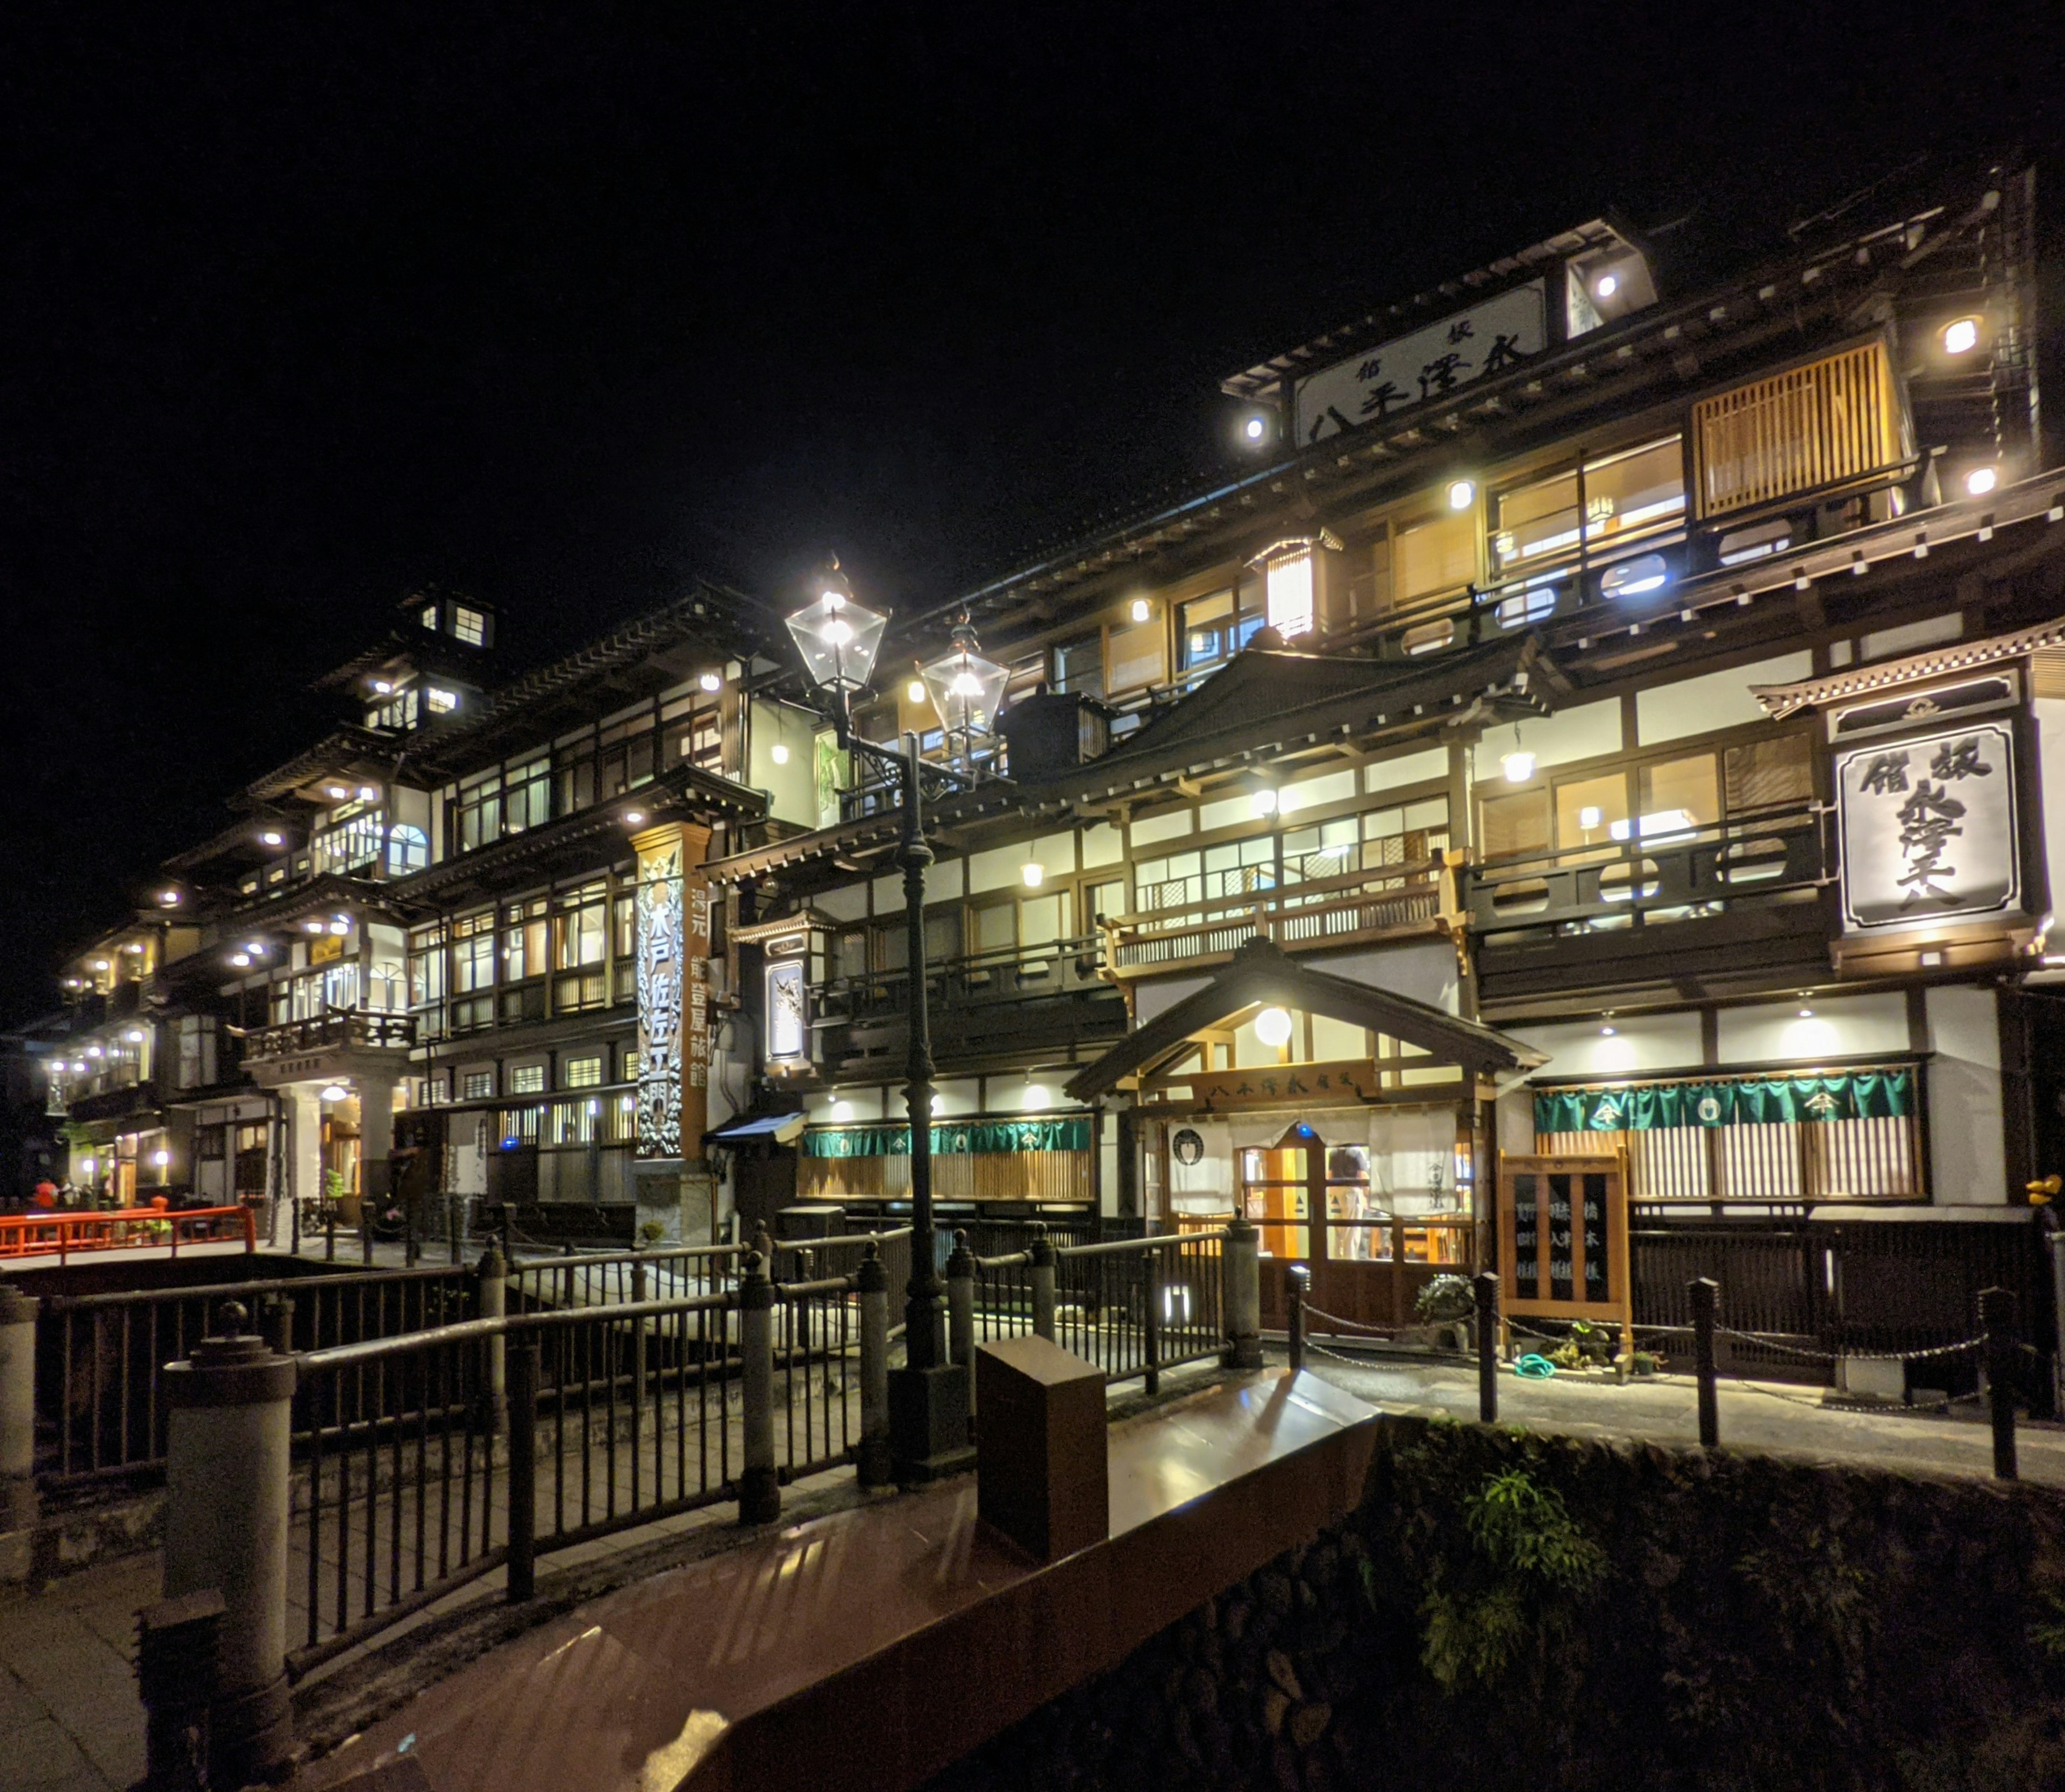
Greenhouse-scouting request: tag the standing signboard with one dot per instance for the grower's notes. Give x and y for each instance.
(1562, 1240)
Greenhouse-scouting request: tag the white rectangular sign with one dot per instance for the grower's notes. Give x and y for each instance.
(785, 1034)
(1433, 362)
(1928, 829)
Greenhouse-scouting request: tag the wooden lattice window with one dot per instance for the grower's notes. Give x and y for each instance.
(1834, 422)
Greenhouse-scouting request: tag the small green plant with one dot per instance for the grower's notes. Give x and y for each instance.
(1531, 1563)
(1446, 1300)
(335, 1187)
(652, 1233)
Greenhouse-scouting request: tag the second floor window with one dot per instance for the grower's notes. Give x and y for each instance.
(523, 941)
(1078, 667)
(473, 953)
(578, 930)
(1589, 510)
(1210, 629)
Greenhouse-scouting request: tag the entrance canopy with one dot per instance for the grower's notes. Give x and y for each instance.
(1262, 973)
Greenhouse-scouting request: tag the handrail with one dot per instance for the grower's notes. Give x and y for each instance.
(346, 1356)
(1112, 1247)
(677, 1253)
(1407, 874)
(58, 1233)
(237, 1290)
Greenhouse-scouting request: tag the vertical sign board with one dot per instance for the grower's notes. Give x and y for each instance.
(788, 1039)
(1928, 829)
(1438, 360)
(1562, 1239)
(673, 992)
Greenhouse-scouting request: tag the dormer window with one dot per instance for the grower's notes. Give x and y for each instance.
(440, 701)
(469, 626)
(429, 615)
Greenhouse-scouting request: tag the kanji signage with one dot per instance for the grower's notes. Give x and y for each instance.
(1434, 362)
(1353, 1078)
(1928, 829)
(786, 1039)
(1562, 1238)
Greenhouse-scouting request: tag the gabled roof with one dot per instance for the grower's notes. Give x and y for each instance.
(1264, 702)
(1263, 972)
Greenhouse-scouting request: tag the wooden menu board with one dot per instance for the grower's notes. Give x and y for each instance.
(1562, 1239)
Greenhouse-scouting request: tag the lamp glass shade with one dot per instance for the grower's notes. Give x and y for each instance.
(839, 639)
(967, 690)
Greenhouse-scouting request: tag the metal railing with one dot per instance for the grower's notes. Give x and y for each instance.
(63, 1235)
(1133, 1306)
(340, 1027)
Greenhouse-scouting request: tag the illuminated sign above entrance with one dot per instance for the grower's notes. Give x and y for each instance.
(1928, 829)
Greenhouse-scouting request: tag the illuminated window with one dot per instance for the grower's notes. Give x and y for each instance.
(1622, 497)
(1434, 556)
(430, 617)
(1288, 579)
(528, 1080)
(581, 1073)
(440, 702)
(1211, 629)
(408, 850)
(1078, 666)
(479, 1085)
(469, 626)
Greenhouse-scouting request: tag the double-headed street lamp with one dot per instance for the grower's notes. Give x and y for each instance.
(838, 638)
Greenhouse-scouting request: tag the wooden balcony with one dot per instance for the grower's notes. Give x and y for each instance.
(340, 1029)
(987, 1006)
(1413, 899)
(1738, 903)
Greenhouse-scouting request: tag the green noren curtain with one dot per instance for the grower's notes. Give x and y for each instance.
(950, 1138)
(1737, 1101)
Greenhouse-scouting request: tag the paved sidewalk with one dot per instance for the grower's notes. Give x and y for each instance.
(70, 1720)
(1760, 1415)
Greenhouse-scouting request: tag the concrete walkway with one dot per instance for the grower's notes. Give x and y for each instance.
(1754, 1415)
(70, 1720)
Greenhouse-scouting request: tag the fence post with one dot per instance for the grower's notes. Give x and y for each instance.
(1705, 1297)
(1240, 1269)
(1150, 1330)
(279, 1323)
(524, 1365)
(228, 1430)
(329, 1236)
(17, 1408)
(1486, 1287)
(872, 1460)
(960, 1310)
(759, 1491)
(491, 1301)
(454, 1230)
(1041, 1252)
(1297, 1279)
(294, 1224)
(1997, 1314)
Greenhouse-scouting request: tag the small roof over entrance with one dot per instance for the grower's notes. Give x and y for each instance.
(1263, 972)
(780, 1129)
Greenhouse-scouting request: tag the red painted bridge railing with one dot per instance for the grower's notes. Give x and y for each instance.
(60, 1235)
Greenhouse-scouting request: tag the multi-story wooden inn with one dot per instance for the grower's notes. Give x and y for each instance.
(1594, 718)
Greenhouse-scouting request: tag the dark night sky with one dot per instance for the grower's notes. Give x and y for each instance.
(554, 304)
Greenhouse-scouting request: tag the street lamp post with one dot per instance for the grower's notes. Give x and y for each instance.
(838, 638)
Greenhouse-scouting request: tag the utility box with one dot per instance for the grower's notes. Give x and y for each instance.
(1043, 1472)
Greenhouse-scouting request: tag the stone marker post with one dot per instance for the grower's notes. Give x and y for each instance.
(874, 1462)
(1042, 1253)
(17, 1412)
(1240, 1263)
(960, 1310)
(1997, 1313)
(1485, 1288)
(759, 1489)
(1706, 1297)
(226, 1509)
(491, 1301)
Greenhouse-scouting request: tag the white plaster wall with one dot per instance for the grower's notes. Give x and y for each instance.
(1102, 845)
(1716, 700)
(889, 893)
(848, 902)
(1638, 1044)
(1150, 830)
(1335, 787)
(1426, 973)
(1413, 768)
(1843, 1027)
(1160, 993)
(1585, 732)
(1966, 1154)
(790, 787)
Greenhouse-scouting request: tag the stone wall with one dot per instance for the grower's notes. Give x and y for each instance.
(1533, 1612)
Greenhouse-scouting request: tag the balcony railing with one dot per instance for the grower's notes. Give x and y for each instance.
(1348, 909)
(388, 1032)
(1691, 875)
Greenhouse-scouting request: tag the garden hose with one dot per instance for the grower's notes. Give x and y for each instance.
(1534, 1368)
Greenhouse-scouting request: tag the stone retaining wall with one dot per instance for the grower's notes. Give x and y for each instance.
(1531, 1612)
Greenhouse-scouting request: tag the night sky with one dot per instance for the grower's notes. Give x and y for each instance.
(556, 305)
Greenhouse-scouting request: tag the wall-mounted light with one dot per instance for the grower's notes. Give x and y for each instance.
(272, 837)
(842, 1110)
(780, 755)
(93, 1051)
(87, 1166)
(335, 1092)
(1608, 1032)
(132, 945)
(1036, 1095)
(383, 687)
(241, 960)
(1961, 336)
(634, 817)
(1255, 428)
(711, 681)
(1806, 1014)
(255, 947)
(1607, 285)
(1140, 609)
(135, 1036)
(368, 794)
(1033, 873)
(169, 898)
(1272, 1026)
(336, 792)
(100, 964)
(314, 926)
(161, 1157)
(1462, 494)
(914, 691)
(1980, 481)
(1262, 802)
